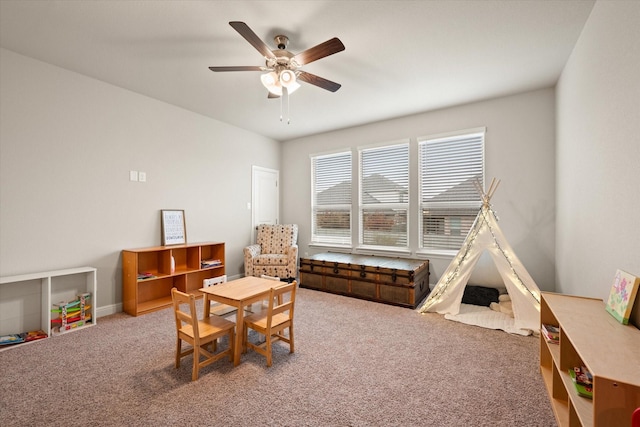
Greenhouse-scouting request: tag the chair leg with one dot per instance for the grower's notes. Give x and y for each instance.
(196, 363)
(178, 351)
(291, 338)
(232, 345)
(268, 348)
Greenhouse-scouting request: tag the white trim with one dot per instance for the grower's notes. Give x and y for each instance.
(331, 153)
(452, 134)
(441, 253)
(384, 144)
(382, 250)
(339, 248)
(107, 310)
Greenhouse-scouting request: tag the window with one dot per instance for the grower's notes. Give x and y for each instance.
(331, 199)
(449, 166)
(384, 196)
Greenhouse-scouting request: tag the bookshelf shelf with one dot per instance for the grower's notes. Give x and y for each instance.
(590, 337)
(27, 299)
(142, 296)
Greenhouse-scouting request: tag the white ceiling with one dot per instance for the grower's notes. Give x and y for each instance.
(401, 57)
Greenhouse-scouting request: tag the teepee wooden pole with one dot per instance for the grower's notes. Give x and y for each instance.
(479, 188)
(493, 187)
(496, 187)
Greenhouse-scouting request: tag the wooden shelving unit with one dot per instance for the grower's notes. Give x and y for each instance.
(142, 296)
(591, 337)
(27, 299)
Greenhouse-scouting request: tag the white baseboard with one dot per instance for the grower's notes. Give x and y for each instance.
(108, 309)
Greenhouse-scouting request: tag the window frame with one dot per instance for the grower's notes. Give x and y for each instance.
(384, 206)
(472, 204)
(317, 239)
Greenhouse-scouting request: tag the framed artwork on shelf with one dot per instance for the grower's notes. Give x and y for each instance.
(174, 230)
(622, 296)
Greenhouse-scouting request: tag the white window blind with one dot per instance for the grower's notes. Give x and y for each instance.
(331, 198)
(449, 202)
(384, 196)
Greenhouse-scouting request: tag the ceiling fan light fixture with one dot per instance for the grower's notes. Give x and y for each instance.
(292, 87)
(271, 82)
(287, 77)
(288, 80)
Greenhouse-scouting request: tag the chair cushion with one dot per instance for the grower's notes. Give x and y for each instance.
(276, 239)
(270, 259)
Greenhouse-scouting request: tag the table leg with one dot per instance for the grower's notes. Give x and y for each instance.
(207, 306)
(239, 334)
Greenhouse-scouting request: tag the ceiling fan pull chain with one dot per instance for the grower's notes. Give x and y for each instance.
(288, 108)
(280, 108)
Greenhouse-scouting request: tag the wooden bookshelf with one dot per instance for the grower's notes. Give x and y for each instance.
(142, 296)
(591, 337)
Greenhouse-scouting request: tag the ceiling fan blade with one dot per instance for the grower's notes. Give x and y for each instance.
(272, 96)
(252, 38)
(320, 51)
(318, 81)
(239, 68)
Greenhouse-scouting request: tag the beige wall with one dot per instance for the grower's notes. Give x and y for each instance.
(67, 144)
(519, 149)
(598, 156)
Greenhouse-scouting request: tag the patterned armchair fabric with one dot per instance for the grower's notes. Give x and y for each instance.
(275, 252)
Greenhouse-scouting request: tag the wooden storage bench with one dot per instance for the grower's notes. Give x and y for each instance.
(397, 281)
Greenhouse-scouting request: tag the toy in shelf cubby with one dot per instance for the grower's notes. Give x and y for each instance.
(71, 315)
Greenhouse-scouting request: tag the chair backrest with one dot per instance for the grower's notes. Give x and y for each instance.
(281, 303)
(275, 239)
(189, 317)
(214, 281)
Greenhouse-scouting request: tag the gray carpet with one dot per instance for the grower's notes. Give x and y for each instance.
(357, 363)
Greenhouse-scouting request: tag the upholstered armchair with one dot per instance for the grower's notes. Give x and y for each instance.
(275, 252)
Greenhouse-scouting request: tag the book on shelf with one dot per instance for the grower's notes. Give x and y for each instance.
(11, 339)
(622, 296)
(206, 263)
(34, 335)
(22, 337)
(551, 333)
(143, 276)
(582, 380)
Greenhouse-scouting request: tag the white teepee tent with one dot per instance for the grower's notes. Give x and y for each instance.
(485, 234)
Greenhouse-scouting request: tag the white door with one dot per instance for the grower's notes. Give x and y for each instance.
(265, 197)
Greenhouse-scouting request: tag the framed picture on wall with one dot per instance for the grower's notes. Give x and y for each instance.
(174, 230)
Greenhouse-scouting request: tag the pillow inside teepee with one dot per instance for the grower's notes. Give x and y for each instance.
(480, 295)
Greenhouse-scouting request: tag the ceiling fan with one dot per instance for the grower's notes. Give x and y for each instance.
(283, 67)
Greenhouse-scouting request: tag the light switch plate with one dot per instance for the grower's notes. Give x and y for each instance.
(142, 176)
(133, 175)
